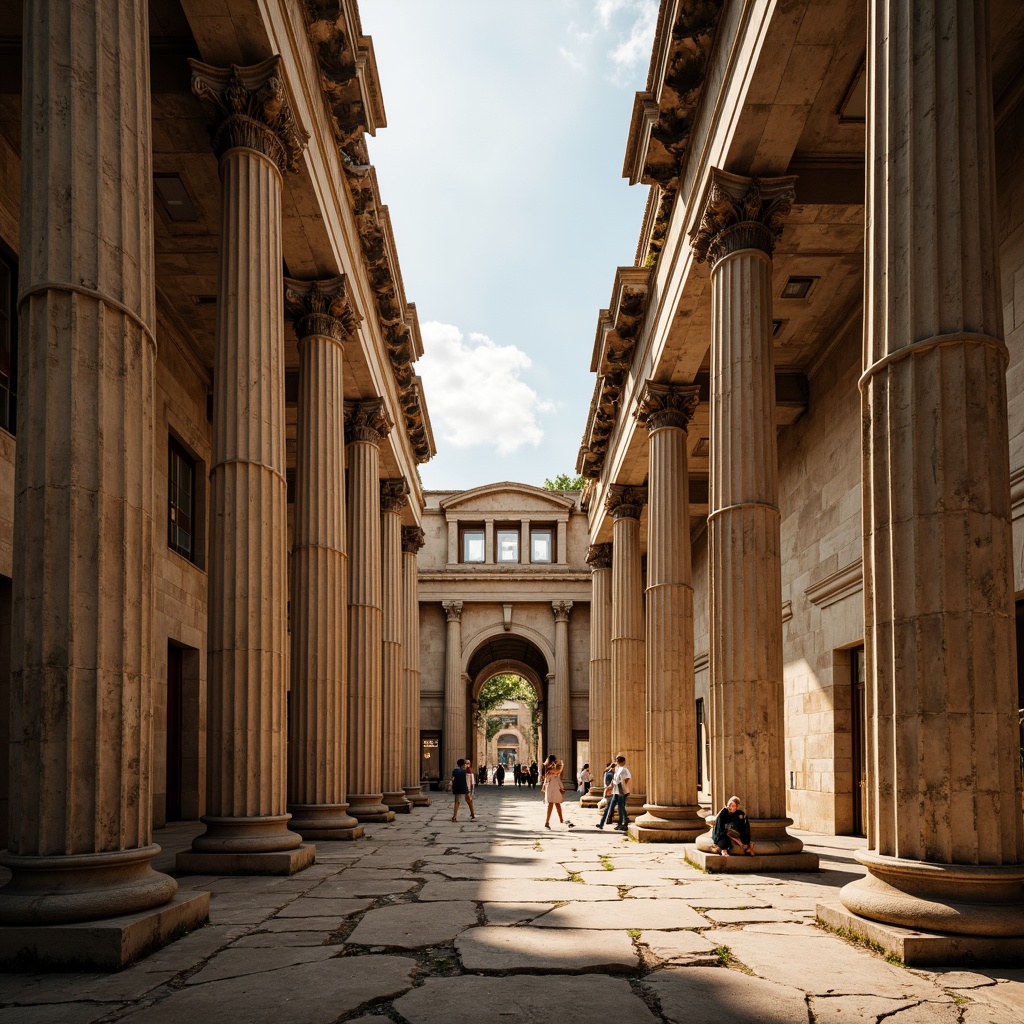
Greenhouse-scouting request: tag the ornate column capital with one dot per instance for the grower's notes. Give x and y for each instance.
(249, 109)
(625, 502)
(453, 609)
(667, 405)
(394, 495)
(741, 213)
(320, 308)
(561, 610)
(413, 538)
(367, 420)
(599, 556)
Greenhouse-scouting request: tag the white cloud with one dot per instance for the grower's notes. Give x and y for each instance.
(573, 61)
(474, 392)
(628, 25)
(637, 47)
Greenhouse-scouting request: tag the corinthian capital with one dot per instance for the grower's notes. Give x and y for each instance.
(366, 420)
(320, 308)
(394, 495)
(741, 213)
(625, 502)
(561, 610)
(599, 556)
(413, 538)
(453, 609)
(667, 405)
(249, 109)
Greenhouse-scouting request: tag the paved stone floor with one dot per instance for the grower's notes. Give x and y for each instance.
(497, 919)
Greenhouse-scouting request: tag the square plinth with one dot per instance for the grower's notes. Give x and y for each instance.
(660, 835)
(923, 949)
(110, 944)
(715, 863)
(282, 862)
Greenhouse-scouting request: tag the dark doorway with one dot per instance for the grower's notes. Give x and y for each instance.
(700, 744)
(430, 759)
(175, 742)
(859, 741)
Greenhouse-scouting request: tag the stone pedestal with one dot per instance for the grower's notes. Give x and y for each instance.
(599, 558)
(393, 498)
(454, 738)
(366, 425)
(945, 837)
(742, 221)
(257, 140)
(81, 702)
(559, 712)
(412, 541)
(323, 320)
(672, 812)
(629, 686)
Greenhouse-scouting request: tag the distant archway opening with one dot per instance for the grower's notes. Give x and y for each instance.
(507, 719)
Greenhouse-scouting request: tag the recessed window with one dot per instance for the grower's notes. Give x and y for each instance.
(797, 287)
(541, 546)
(508, 545)
(181, 501)
(472, 545)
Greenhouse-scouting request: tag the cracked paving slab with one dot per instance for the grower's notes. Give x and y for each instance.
(527, 949)
(414, 925)
(688, 994)
(640, 914)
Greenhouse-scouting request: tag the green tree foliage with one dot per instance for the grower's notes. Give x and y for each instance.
(494, 693)
(564, 482)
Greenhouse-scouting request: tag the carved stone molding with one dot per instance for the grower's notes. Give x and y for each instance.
(249, 109)
(844, 582)
(561, 610)
(320, 308)
(453, 609)
(625, 502)
(366, 420)
(394, 495)
(741, 213)
(599, 556)
(667, 405)
(413, 538)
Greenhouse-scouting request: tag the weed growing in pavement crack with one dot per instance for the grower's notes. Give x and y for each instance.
(724, 954)
(606, 862)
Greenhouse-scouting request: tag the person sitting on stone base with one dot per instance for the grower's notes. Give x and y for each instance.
(731, 829)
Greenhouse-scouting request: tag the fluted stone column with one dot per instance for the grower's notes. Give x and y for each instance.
(257, 141)
(82, 676)
(672, 810)
(599, 558)
(559, 710)
(742, 221)
(366, 425)
(394, 496)
(629, 685)
(323, 320)
(454, 691)
(412, 540)
(945, 845)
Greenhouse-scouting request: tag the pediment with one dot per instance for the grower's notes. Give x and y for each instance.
(507, 497)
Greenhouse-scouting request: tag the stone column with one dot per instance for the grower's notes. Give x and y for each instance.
(394, 496)
(599, 558)
(945, 845)
(81, 699)
(671, 813)
(629, 686)
(257, 141)
(742, 220)
(559, 711)
(366, 425)
(323, 320)
(454, 691)
(412, 540)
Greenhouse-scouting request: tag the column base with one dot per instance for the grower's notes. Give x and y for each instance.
(258, 834)
(62, 890)
(776, 850)
(397, 802)
(592, 799)
(922, 948)
(961, 899)
(283, 862)
(109, 944)
(668, 824)
(369, 807)
(416, 796)
(323, 822)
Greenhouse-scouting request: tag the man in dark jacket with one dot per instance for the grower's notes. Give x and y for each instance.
(731, 826)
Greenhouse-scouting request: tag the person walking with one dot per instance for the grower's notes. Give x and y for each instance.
(534, 774)
(609, 793)
(554, 791)
(731, 828)
(471, 779)
(583, 780)
(499, 775)
(621, 785)
(461, 785)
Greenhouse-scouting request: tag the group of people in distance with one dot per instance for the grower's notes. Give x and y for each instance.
(730, 832)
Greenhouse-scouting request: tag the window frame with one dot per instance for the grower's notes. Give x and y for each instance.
(464, 535)
(510, 534)
(177, 453)
(538, 531)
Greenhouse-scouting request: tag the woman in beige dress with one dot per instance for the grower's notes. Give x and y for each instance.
(554, 791)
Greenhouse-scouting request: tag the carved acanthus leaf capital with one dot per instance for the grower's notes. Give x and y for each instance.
(249, 109)
(667, 405)
(599, 556)
(561, 610)
(741, 213)
(413, 538)
(366, 420)
(625, 501)
(394, 495)
(320, 308)
(453, 609)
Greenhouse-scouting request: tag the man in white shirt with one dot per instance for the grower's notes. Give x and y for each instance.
(620, 789)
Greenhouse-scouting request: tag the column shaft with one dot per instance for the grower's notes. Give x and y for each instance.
(81, 690)
(454, 691)
(946, 849)
(559, 710)
(412, 541)
(600, 559)
(393, 737)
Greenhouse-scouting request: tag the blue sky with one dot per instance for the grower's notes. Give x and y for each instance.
(501, 167)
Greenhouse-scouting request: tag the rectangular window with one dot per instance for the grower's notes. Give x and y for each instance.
(472, 545)
(541, 546)
(181, 501)
(8, 345)
(508, 545)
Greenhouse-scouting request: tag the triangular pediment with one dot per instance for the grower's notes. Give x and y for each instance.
(507, 497)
